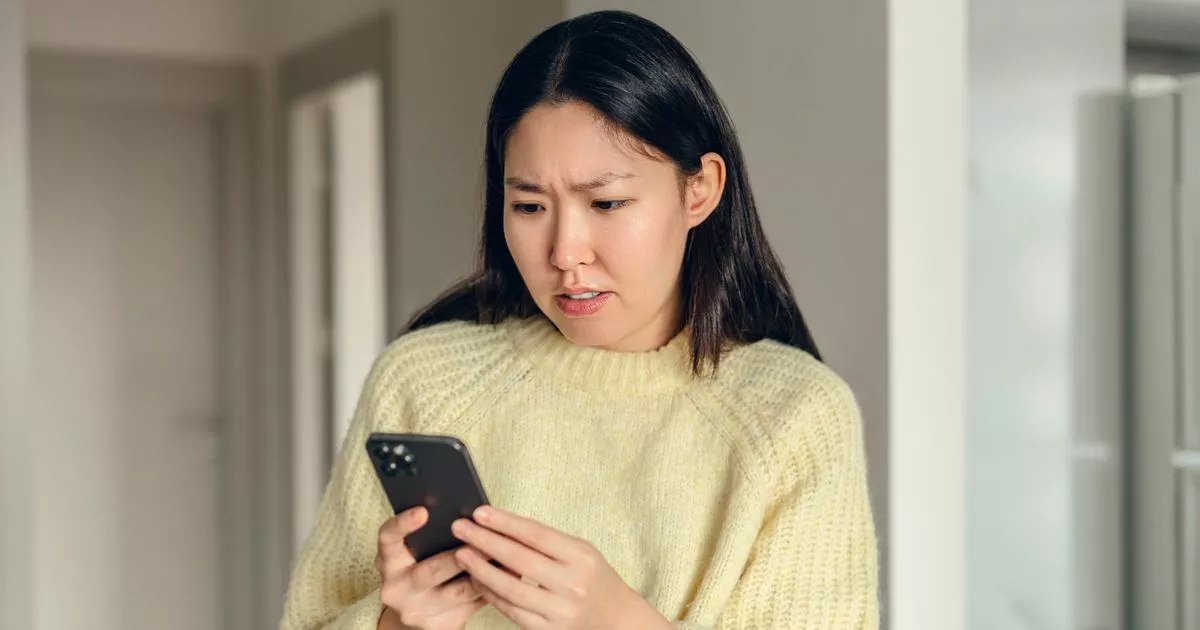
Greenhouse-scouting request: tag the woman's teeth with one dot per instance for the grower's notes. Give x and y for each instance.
(583, 296)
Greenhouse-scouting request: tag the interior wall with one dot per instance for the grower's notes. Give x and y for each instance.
(212, 29)
(16, 530)
(815, 138)
(927, 318)
(449, 56)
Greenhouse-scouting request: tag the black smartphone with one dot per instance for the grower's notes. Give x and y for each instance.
(434, 471)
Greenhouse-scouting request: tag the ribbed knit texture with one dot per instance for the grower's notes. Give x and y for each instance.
(734, 503)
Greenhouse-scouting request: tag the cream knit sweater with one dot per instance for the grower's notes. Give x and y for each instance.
(735, 502)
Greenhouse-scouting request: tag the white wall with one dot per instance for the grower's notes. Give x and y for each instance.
(815, 138)
(927, 256)
(217, 29)
(15, 501)
(1044, 328)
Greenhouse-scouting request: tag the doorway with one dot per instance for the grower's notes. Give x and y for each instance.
(140, 211)
(333, 126)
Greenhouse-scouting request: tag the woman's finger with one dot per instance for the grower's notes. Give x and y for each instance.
(391, 554)
(537, 536)
(520, 616)
(512, 554)
(505, 584)
(432, 572)
(397, 528)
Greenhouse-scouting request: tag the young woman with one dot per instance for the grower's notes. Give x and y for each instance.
(645, 405)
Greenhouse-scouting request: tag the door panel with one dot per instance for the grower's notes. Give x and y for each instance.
(125, 303)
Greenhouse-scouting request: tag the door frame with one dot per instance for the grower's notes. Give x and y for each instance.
(225, 92)
(362, 47)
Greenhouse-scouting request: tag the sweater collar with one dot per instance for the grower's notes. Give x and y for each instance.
(540, 342)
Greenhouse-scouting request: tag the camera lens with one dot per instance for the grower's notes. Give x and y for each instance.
(409, 464)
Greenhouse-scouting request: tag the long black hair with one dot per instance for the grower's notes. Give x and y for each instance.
(645, 84)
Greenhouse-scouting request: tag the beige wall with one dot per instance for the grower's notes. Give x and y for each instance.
(219, 29)
(448, 58)
(15, 501)
(815, 138)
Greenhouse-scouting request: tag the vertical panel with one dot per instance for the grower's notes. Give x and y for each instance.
(1189, 513)
(1153, 393)
(360, 301)
(927, 320)
(1188, 284)
(309, 340)
(1189, 262)
(1097, 425)
(16, 528)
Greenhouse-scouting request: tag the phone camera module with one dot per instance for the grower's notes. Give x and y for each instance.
(397, 459)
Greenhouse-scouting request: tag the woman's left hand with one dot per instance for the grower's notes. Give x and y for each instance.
(574, 587)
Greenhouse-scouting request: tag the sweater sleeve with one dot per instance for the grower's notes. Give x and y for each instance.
(335, 585)
(813, 564)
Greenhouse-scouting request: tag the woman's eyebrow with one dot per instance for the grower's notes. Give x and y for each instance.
(592, 184)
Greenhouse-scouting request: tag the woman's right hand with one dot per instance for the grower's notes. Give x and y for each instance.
(420, 595)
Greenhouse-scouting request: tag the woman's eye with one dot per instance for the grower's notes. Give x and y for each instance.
(610, 204)
(526, 208)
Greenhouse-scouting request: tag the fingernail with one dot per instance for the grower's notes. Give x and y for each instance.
(483, 513)
(460, 527)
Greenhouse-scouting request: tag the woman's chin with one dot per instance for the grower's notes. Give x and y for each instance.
(585, 331)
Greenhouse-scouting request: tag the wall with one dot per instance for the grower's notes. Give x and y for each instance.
(217, 29)
(449, 56)
(927, 254)
(1044, 329)
(16, 530)
(815, 138)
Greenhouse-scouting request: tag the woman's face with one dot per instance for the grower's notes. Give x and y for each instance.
(597, 228)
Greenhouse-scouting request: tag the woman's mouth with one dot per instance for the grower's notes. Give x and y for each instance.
(582, 304)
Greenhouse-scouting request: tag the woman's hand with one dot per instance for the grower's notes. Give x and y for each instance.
(574, 587)
(420, 595)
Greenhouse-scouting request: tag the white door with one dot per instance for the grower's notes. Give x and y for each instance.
(126, 365)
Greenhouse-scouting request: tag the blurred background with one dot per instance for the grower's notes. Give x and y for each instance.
(215, 213)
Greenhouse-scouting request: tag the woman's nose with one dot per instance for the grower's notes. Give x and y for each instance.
(571, 246)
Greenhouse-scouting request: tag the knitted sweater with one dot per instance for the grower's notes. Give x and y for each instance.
(735, 502)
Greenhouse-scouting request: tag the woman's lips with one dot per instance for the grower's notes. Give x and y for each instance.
(582, 308)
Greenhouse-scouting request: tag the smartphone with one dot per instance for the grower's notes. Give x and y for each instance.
(434, 471)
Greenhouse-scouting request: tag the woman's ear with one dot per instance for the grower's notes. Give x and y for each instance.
(704, 189)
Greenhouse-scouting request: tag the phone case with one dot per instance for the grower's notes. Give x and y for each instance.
(435, 471)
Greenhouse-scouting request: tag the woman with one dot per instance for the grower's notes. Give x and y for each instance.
(644, 402)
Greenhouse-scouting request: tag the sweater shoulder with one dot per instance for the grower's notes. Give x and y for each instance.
(782, 403)
(443, 346)
(427, 378)
(776, 380)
